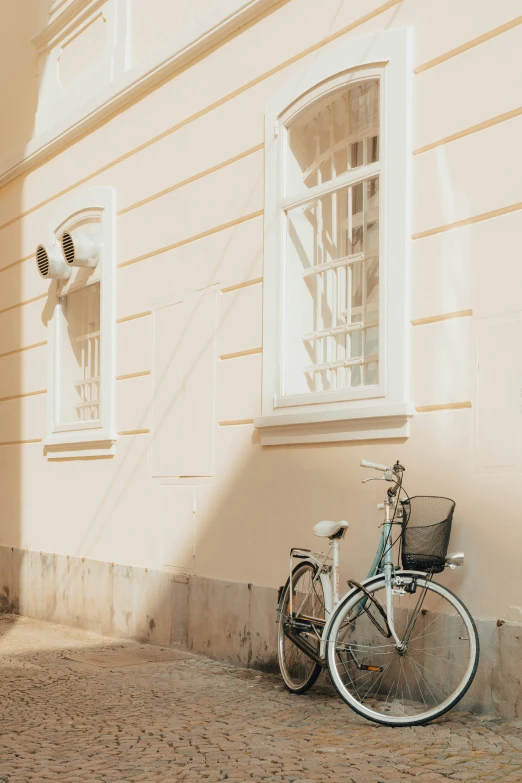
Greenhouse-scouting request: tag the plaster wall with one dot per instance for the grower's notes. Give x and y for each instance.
(186, 162)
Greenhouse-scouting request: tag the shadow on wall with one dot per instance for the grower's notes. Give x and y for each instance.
(18, 102)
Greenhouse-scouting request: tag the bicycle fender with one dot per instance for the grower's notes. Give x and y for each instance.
(327, 591)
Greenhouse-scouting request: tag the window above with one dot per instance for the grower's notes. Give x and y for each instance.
(331, 251)
(337, 246)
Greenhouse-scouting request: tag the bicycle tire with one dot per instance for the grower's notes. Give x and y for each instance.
(387, 709)
(310, 669)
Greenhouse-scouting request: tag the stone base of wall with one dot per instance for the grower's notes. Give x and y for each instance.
(228, 621)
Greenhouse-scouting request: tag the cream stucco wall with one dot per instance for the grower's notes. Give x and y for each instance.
(186, 162)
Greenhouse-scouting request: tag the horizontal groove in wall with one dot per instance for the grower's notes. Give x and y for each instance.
(194, 238)
(134, 432)
(133, 317)
(21, 304)
(445, 406)
(469, 221)
(20, 442)
(500, 118)
(237, 286)
(433, 319)
(25, 394)
(21, 350)
(238, 354)
(82, 457)
(194, 178)
(207, 109)
(16, 263)
(235, 423)
(132, 375)
(469, 45)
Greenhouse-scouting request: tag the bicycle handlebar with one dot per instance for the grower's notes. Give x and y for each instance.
(374, 465)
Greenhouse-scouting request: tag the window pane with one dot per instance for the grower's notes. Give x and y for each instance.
(337, 133)
(332, 288)
(80, 356)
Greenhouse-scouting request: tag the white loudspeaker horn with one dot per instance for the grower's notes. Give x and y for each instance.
(51, 263)
(80, 249)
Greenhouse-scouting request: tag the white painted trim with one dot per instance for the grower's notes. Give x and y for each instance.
(321, 430)
(390, 52)
(127, 87)
(80, 450)
(87, 436)
(58, 101)
(65, 22)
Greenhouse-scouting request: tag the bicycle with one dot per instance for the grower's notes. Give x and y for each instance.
(400, 649)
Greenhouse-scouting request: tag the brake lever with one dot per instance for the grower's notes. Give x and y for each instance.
(364, 481)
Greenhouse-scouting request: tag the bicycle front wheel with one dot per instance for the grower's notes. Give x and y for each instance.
(419, 680)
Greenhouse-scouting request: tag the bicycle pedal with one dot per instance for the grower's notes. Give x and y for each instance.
(370, 668)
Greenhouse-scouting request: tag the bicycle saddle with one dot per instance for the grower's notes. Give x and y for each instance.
(328, 529)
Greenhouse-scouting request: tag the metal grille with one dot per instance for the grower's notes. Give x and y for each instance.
(336, 237)
(68, 247)
(42, 260)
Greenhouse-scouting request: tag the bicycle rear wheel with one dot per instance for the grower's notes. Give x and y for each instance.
(298, 670)
(421, 681)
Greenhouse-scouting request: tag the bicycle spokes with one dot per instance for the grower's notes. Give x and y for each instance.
(408, 681)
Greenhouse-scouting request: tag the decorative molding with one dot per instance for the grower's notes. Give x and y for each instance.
(469, 221)
(367, 413)
(23, 395)
(193, 178)
(81, 450)
(498, 120)
(379, 422)
(24, 348)
(469, 45)
(235, 422)
(61, 98)
(194, 238)
(445, 406)
(131, 375)
(433, 319)
(238, 354)
(133, 317)
(22, 304)
(20, 442)
(237, 286)
(66, 21)
(186, 47)
(96, 205)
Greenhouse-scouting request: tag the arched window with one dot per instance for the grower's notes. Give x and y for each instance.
(80, 409)
(331, 205)
(337, 147)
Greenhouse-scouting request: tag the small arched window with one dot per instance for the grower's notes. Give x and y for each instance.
(80, 410)
(337, 147)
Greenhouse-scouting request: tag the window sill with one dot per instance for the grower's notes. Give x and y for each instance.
(378, 422)
(78, 445)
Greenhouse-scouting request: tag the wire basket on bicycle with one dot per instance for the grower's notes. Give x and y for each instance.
(426, 533)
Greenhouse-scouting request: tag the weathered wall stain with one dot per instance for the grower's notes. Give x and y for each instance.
(229, 621)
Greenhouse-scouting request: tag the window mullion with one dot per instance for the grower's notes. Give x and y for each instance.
(345, 180)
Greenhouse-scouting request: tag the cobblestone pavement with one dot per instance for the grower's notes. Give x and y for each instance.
(196, 720)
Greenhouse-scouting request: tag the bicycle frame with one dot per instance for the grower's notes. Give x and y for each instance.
(383, 563)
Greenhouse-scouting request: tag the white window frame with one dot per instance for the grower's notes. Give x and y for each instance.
(95, 437)
(371, 412)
